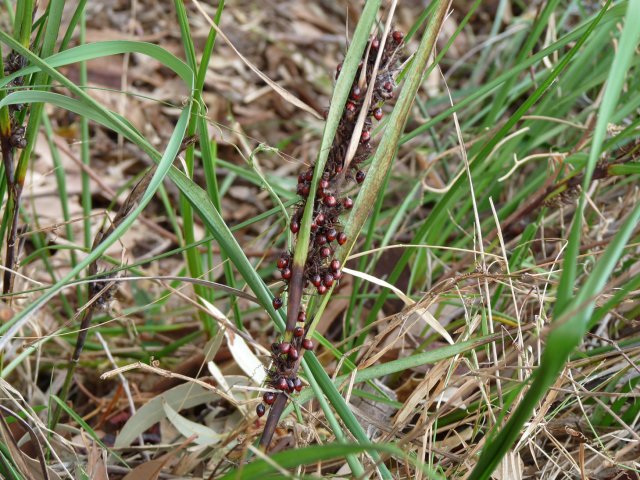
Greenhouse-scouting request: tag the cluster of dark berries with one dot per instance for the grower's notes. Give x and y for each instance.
(282, 374)
(321, 269)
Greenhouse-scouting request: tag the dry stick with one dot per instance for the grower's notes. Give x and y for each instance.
(7, 157)
(128, 205)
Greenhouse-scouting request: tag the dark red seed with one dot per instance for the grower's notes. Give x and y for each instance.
(397, 36)
(304, 191)
(325, 252)
(316, 280)
(375, 44)
(308, 176)
(377, 114)
(285, 347)
(286, 273)
(277, 302)
(314, 226)
(321, 240)
(283, 262)
(388, 86)
(338, 169)
(335, 265)
(328, 280)
(338, 70)
(298, 332)
(337, 275)
(356, 93)
(348, 203)
(260, 410)
(322, 289)
(332, 234)
(297, 384)
(324, 184)
(342, 238)
(269, 398)
(330, 201)
(366, 136)
(360, 176)
(351, 107)
(290, 385)
(293, 354)
(320, 219)
(282, 384)
(301, 178)
(295, 226)
(307, 344)
(302, 316)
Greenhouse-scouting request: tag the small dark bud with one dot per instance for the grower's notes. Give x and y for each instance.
(307, 344)
(325, 252)
(269, 398)
(335, 265)
(302, 317)
(342, 238)
(297, 384)
(277, 302)
(316, 280)
(285, 347)
(365, 137)
(295, 226)
(377, 114)
(331, 234)
(322, 289)
(328, 280)
(397, 36)
(330, 201)
(260, 410)
(321, 240)
(298, 332)
(356, 93)
(320, 219)
(286, 273)
(360, 176)
(348, 203)
(282, 384)
(283, 262)
(293, 354)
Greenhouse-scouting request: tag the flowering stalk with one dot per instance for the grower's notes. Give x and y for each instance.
(319, 271)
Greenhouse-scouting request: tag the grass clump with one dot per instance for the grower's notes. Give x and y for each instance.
(480, 321)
